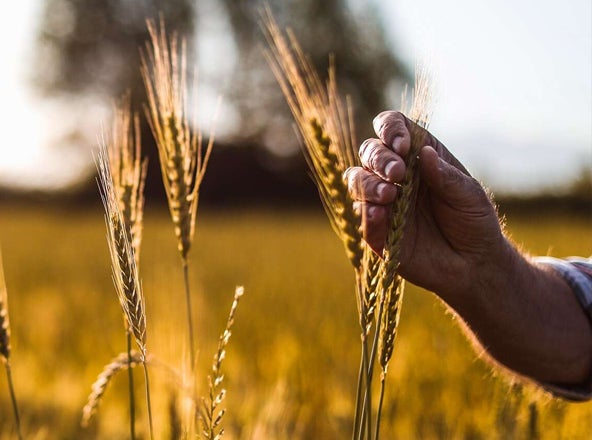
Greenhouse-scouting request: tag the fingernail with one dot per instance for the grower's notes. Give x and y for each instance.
(381, 189)
(388, 169)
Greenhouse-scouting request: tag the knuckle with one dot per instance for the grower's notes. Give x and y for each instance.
(364, 147)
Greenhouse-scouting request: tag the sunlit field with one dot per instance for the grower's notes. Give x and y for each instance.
(291, 365)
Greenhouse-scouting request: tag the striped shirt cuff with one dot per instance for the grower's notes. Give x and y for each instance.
(577, 273)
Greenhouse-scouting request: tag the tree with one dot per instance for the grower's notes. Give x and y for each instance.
(91, 47)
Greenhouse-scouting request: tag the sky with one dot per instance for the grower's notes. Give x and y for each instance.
(513, 83)
(512, 80)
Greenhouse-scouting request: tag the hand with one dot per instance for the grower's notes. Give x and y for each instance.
(452, 228)
(525, 316)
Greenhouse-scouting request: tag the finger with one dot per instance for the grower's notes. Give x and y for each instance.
(374, 221)
(363, 185)
(450, 182)
(391, 128)
(378, 158)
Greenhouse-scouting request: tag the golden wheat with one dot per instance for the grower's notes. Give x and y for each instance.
(210, 415)
(128, 170)
(99, 387)
(326, 127)
(183, 159)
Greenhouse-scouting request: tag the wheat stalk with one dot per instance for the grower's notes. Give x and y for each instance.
(210, 415)
(5, 347)
(128, 172)
(183, 159)
(326, 127)
(124, 266)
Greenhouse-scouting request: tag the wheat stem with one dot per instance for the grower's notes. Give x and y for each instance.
(148, 404)
(15, 409)
(380, 401)
(189, 314)
(132, 397)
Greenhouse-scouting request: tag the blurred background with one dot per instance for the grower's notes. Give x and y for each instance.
(513, 101)
(513, 95)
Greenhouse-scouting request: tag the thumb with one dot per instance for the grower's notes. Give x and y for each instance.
(449, 183)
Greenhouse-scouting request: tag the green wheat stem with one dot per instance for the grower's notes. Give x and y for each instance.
(15, 409)
(189, 314)
(148, 405)
(132, 399)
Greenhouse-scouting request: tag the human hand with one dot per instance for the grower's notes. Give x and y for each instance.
(453, 227)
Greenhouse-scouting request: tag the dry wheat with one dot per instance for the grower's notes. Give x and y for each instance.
(211, 416)
(326, 127)
(99, 387)
(183, 159)
(127, 168)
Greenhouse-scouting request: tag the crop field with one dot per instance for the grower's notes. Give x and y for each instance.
(291, 364)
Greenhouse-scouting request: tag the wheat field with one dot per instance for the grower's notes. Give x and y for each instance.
(292, 365)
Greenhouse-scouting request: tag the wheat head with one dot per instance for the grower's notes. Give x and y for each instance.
(183, 159)
(127, 168)
(210, 415)
(4, 321)
(326, 127)
(123, 260)
(99, 387)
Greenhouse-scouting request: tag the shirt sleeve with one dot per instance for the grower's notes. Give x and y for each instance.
(577, 273)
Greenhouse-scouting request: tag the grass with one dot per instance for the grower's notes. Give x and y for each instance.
(290, 366)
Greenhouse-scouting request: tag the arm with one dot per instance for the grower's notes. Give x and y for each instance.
(523, 314)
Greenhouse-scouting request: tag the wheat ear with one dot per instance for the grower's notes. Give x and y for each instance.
(99, 387)
(210, 415)
(124, 266)
(183, 159)
(326, 127)
(128, 172)
(5, 347)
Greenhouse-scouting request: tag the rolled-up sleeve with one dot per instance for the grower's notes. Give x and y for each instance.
(577, 273)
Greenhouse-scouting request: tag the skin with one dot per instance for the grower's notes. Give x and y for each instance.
(523, 315)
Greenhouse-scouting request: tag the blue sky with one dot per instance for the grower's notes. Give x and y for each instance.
(513, 89)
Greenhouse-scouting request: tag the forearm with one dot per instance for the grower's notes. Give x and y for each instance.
(526, 317)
